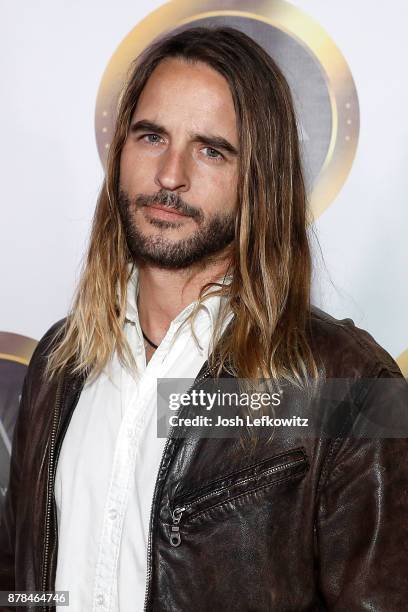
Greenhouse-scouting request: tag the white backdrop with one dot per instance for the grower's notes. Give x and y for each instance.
(53, 55)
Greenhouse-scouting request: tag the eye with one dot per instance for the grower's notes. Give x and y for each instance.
(213, 154)
(151, 138)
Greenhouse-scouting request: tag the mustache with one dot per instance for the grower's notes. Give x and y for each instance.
(169, 200)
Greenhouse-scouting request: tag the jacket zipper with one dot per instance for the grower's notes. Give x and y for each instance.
(175, 536)
(149, 543)
(50, 486)
(51, 476)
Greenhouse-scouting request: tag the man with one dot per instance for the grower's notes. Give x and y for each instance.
(199, 266)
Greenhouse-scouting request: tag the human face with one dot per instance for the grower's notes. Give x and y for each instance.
(179, 167)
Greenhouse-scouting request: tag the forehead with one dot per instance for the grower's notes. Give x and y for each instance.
(193, 94)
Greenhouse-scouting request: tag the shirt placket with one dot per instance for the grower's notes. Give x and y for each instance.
(130, 430)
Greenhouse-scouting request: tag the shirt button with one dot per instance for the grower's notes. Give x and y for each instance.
(139, 349)
(113, 514)
(100, 600)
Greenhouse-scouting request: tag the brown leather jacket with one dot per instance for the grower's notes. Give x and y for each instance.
(298, 525)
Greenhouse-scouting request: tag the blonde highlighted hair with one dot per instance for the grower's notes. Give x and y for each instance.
(269, 292)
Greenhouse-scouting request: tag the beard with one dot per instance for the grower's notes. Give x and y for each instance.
(212, 236)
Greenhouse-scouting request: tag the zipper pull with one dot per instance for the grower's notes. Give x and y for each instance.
(175, 537)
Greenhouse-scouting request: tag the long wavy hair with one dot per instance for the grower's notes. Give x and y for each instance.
(269, 292)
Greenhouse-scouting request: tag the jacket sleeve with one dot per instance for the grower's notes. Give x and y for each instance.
(361, 524)
(8, 517)
(21, 437)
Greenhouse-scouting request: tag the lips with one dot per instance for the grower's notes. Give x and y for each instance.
(166, 209)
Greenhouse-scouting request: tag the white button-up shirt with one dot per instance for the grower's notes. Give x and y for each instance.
(109, 461)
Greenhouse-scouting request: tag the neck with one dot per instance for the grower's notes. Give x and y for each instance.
(163, 294)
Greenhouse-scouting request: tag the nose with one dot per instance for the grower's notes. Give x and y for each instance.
(172, 173)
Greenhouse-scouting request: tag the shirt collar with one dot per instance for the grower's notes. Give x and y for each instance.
(209, 310)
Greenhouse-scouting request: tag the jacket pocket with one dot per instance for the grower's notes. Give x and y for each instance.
(232, 487)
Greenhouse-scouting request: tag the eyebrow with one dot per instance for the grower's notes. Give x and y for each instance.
(216, 142)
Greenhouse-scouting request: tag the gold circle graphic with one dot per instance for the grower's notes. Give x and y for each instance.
(278, 14)
(14, 347)
(402, 361)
